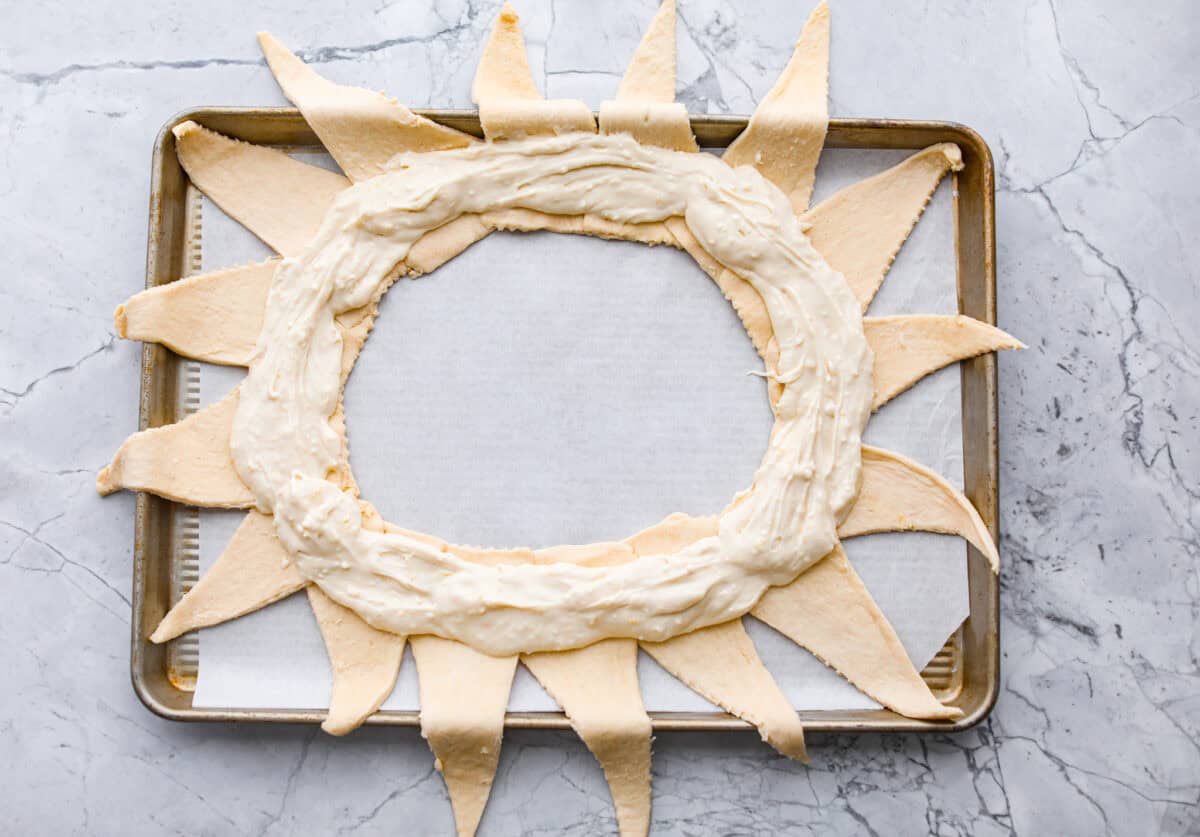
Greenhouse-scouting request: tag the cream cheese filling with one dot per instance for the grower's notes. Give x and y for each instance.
(285, 447)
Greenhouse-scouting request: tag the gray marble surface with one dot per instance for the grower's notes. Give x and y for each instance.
(1093, 112)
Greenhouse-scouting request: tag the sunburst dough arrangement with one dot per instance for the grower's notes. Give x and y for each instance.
(414, 195)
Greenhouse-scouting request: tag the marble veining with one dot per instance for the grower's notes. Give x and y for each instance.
(1093, 112)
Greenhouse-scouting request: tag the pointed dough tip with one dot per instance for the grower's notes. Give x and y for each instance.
(597, 687)
(650, 75)
(365, 663)
(463, 698)
(818, 18)
(786, 132)
(992, 554)
(162, 633)
(790, 745)
(287, 67)
(120, 323)
(1002, 339)
(278, 56)
(891, 472)
(185, 128)
(104, 481)
(820, 12)
(503, 69)
(793, 747)
(983, 540)
(934, 710)
(339, 726)
(953, 155)
(907, 348)
(1005, 341)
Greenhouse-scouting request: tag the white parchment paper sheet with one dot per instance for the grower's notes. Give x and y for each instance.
(544, 389)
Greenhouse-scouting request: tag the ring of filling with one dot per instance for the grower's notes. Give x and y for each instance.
(286, 447)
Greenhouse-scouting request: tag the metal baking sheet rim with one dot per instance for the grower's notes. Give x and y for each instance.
(974, 216)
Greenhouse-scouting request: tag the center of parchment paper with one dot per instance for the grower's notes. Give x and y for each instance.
(544, 389)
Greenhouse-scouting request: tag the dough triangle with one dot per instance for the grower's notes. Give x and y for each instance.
(253, 571)
(860, 229)
(908, 348)
(188, 461)
(364, 662)
(503, 71)
(597, 687)
(650, 76)
(280, 200)
(829, 611)
(645, 106)
(898, 495)
(214, 317)
(787, 130)
(464, 695)
(510, 106)
(362, 129)
(721, 663)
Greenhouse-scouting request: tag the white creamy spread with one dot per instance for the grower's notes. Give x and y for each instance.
(285, 447)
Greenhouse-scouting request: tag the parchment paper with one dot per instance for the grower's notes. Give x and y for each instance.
(544, 389)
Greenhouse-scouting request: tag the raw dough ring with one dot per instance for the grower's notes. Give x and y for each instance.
(768, 535)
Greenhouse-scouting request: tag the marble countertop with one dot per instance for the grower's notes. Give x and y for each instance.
(1093, 112)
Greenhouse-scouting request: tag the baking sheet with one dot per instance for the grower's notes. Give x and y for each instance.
(545, 389)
